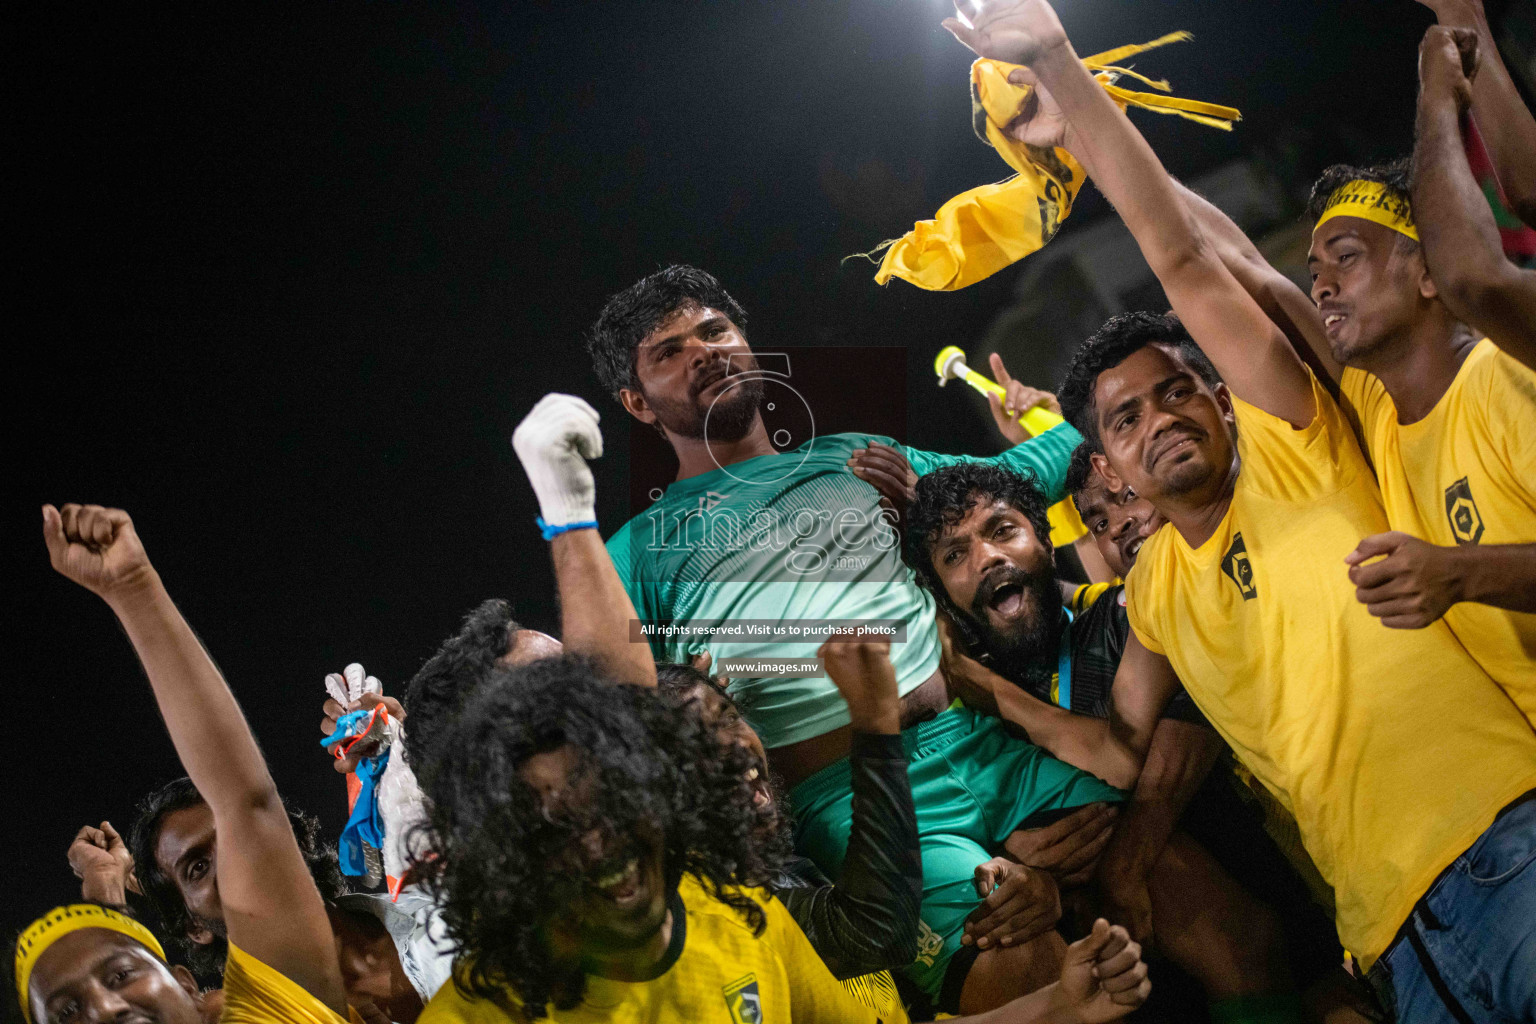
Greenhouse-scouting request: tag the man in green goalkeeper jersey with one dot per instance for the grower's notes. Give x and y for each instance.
(753, 536)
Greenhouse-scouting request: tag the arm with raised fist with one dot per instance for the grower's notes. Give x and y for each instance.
(1461, 240)
(271, 907)
(868, 921)
(554, 442)
(1503, 120)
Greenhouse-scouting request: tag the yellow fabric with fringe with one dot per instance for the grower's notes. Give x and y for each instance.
(981, 231)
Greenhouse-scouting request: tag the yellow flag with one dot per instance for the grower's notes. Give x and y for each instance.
(980, 232)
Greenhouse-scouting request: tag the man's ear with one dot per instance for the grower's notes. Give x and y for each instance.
(199, 934)
(186, 981)
(1101, 466)
(1224, 402)
(1427, 287)
(635, 404)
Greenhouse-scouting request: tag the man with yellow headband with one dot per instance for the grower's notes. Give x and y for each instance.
(1449, 423)
(1214, 418)
(90, 962)
(282, 964)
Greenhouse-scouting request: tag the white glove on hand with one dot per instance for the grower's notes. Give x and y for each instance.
(554, 442)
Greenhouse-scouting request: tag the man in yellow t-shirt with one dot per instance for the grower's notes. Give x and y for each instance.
(1395, 752)
(1449, 423)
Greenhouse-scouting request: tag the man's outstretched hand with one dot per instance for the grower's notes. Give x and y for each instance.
(1103, 977)
(1013, 31)
(97, 548)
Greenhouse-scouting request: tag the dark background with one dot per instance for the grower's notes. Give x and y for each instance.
(283, 282)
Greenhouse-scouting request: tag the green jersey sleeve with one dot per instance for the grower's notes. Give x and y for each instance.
(1046, 458)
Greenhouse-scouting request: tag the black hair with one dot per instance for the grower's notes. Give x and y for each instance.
(1109, 346)
(503, 864)
(1080, 469)
(681, 680)
(165, 899)
(1395, 175)
(947, 496)
(437, 692)
(636, 311)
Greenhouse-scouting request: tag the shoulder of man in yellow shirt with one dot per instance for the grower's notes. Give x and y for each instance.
(257, 994)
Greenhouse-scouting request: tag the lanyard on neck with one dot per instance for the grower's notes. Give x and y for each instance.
(1064, 663)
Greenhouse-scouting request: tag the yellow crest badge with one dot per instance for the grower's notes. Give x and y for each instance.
(1461, 510)
(743, 1001)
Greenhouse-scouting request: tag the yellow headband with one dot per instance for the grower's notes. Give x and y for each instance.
(59, 922)
(1371, 200)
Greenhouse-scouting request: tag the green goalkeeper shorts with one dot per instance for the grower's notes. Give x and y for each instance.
(973, 784)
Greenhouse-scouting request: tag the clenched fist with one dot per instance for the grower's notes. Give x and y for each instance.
(97, 548)
(554, 442)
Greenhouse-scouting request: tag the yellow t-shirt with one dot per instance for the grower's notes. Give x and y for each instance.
(1391, 748)
(256, 994)
(1465, 474)
(722, 972)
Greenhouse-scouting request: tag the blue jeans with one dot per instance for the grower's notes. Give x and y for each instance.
(1468, 952)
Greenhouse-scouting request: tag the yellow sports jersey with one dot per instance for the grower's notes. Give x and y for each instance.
(1465, 474)
(1391, 748)
(1086, 595)
(720, 972)
(256, 994)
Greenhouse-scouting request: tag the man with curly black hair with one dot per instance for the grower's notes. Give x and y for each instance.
(488, 637)
(592, 844)
(978, 536)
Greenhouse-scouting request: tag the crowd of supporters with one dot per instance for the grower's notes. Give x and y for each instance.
(1277, 754)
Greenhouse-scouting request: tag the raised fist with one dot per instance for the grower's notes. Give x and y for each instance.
(862, 671)
(97, 548)
(554, 442)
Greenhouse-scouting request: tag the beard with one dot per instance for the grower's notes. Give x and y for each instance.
(1017, 649)
(727, 418)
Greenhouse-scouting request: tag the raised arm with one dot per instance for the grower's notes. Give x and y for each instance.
(1287, 306)
(868, 920)
(271, 907)
(1251, 353)
(554, 442)
(1456, 226)
(1503, 120)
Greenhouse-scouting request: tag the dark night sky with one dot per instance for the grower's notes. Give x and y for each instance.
(284, 281)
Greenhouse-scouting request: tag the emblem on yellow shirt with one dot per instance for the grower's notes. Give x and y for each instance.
(741, 998)
(1239, 569)
(1461, 510)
